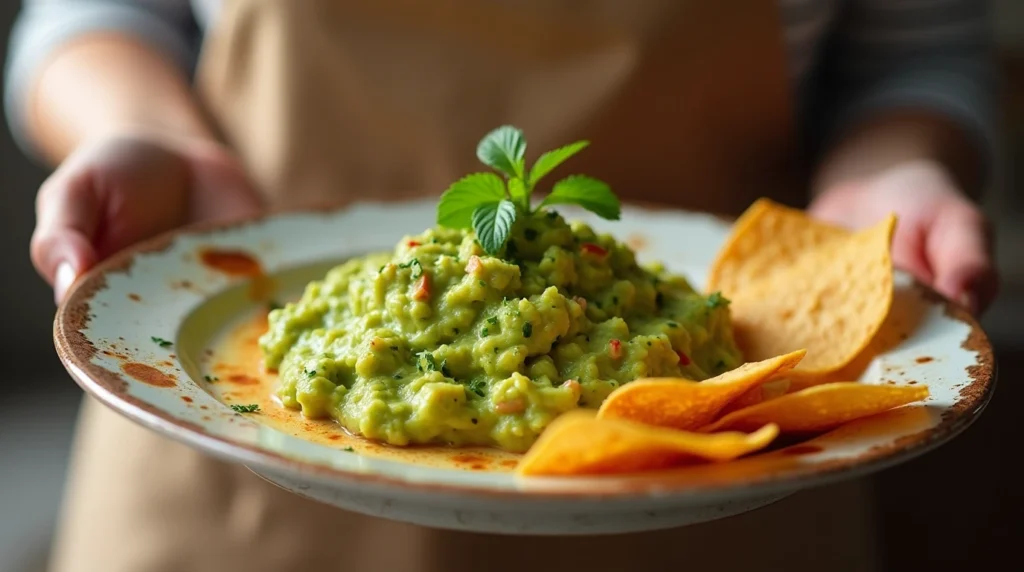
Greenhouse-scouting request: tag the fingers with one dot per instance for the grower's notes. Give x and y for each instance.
(118, 191)
(67, 213)
(908, 252)
(959, 246)
(852, 207)
(220, 188)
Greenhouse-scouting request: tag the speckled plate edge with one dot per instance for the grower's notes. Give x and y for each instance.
(77, 353)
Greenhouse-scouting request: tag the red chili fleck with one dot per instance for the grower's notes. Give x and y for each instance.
(591, 248)
(684, 359)
(473, 265)
(615, 349)
(413, 243)
(516, 405)
(421, 291)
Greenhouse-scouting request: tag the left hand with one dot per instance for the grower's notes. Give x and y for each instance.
(942, 238)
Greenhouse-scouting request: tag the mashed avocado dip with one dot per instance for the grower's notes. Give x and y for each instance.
(439, 342)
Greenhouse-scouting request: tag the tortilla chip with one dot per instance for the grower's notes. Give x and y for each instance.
(832, 301)
(689, 405)
(577, 443)
(768, 237)
(822, 407)
(766, 391)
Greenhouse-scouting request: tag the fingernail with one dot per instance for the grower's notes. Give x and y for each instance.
(62, 280)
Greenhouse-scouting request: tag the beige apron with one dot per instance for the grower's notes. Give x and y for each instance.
(686, 102)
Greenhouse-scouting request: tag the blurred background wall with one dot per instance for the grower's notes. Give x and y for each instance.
(920, 519)
(34, 437)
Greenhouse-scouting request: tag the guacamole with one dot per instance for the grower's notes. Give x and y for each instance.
(438, 342)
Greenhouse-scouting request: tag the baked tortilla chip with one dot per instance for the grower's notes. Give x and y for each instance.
(578, 443)
(821, 408)
(768, 237)
(689, 405)
(832, 301)
(766, 391)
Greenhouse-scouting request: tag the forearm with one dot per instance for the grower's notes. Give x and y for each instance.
(106, 83)
(897, 137)
(904, 82)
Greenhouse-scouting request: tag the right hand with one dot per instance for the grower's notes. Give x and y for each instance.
(116, 191)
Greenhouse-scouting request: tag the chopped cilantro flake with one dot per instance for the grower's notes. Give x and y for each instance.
(477, 387)
(425, 361)
(716, 300)
(161, 342)
(416, 269)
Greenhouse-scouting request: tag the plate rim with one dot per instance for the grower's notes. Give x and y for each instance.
(76, 351)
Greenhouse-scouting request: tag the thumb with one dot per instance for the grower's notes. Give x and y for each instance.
(221, 190)
(67, 215)
(959, 246)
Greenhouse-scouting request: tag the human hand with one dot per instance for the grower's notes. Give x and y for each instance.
(942, 238)
(115, 191)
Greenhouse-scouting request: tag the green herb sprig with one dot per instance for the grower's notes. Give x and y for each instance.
(489, 203)
(250, 408)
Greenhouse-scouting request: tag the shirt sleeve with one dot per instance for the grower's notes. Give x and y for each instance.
(922, 54)
(42, 26)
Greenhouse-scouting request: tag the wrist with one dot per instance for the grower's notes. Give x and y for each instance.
(900, 138)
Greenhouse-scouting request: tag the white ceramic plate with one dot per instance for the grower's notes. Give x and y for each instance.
(104, 334)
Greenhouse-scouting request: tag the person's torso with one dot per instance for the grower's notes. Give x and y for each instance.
(806, 24)
(686, 103)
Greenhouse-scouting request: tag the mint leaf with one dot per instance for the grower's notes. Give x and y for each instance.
(492, 223)
(455, 210)
(589, 193)
(503, 149)
(551, 159)
(517, 190)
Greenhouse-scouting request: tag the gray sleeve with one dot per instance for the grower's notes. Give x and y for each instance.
(44, 25)
(932, 54)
